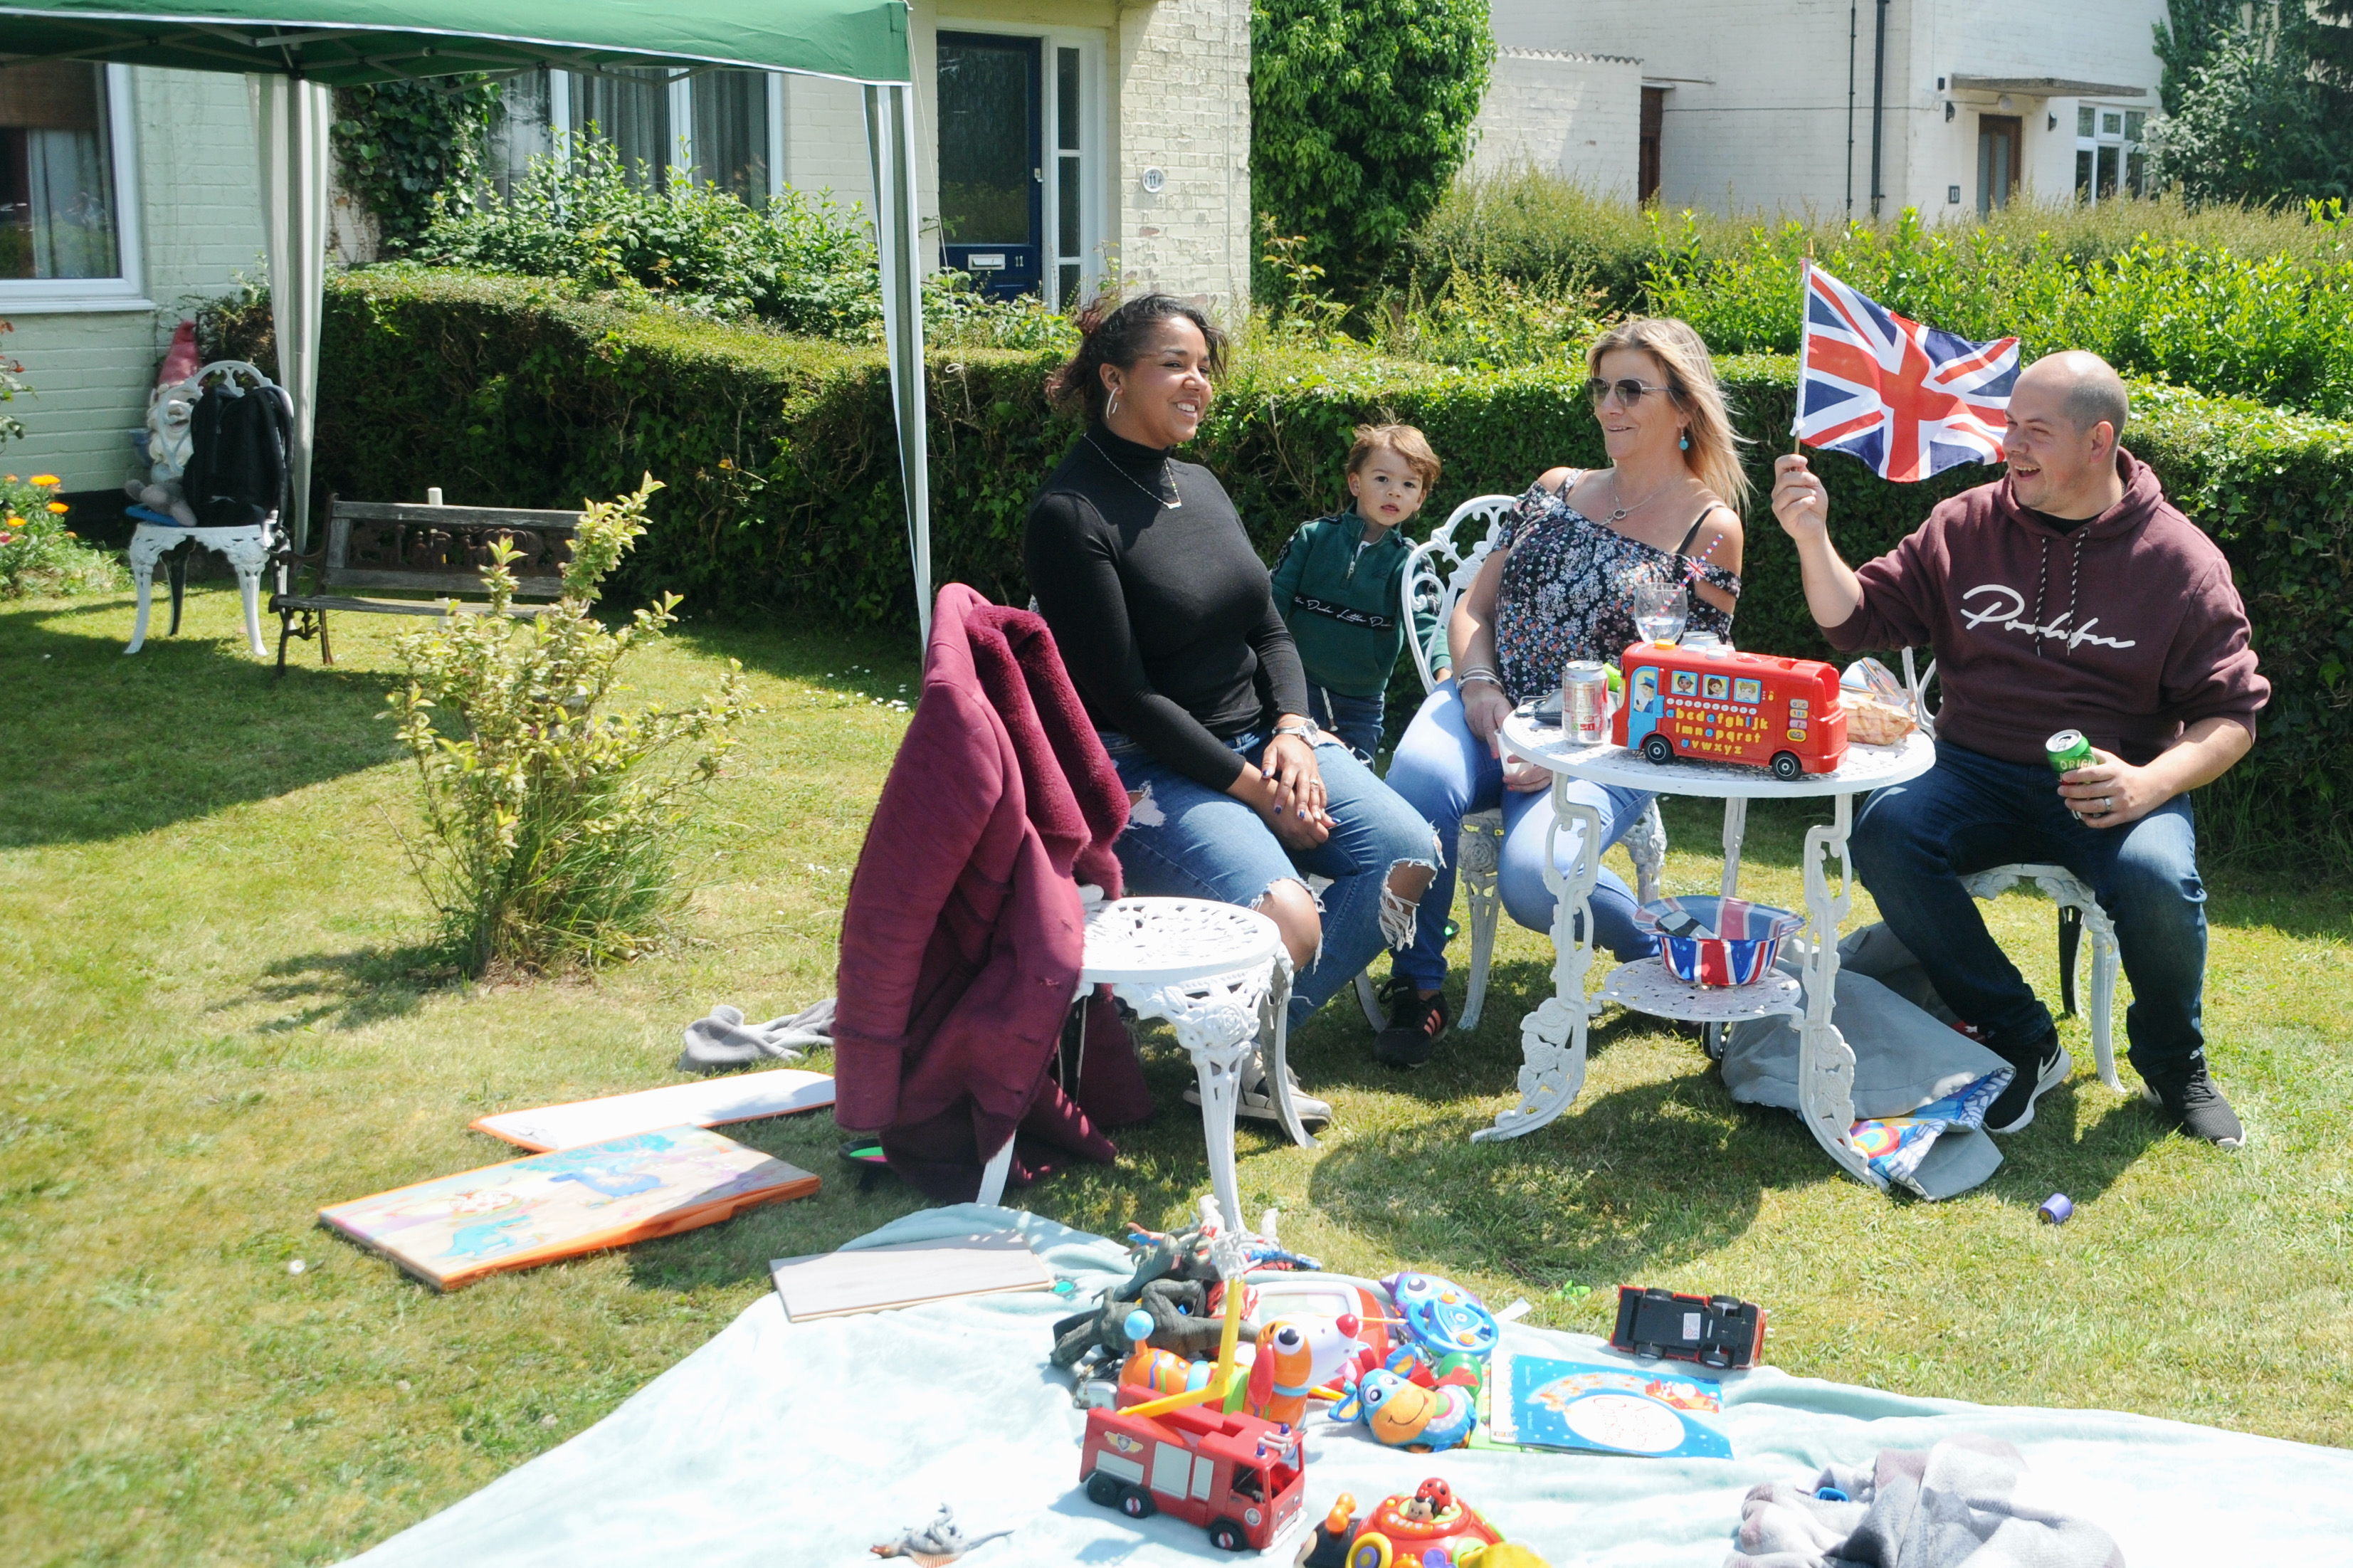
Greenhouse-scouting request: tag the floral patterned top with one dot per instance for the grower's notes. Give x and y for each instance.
(1568, 591)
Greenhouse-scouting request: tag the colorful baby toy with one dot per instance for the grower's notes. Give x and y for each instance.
(1296, 1355)
(1430, 1528)
(1162, 1372)
(1404, 1415)
(1441, 1316)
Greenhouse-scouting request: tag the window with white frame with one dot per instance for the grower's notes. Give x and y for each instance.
(69, 231)
(2109, 161)
(723, 126)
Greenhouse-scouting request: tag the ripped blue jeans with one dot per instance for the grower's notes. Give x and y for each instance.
(1186, 840)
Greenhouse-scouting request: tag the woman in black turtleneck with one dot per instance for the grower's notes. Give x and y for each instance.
(1165, 621)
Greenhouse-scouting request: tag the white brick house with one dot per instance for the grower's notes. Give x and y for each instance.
(1079, 134)
(1779, 106)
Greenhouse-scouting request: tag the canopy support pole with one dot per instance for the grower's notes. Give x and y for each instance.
(890, 146)
(292, 118)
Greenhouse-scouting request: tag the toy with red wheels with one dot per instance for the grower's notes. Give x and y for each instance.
(1715, 705)
(1239, 1477)
(1428, 1525)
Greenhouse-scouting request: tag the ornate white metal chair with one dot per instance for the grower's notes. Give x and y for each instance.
(1437, 574)
(2079, 911)
(1219, 975)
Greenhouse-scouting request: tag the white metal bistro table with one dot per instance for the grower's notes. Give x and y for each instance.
(1553, 1038)
(248, 547)
(1220, 976)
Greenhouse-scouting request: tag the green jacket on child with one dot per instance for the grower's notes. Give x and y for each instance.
(1339, 596)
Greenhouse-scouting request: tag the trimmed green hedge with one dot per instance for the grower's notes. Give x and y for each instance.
(784, 494)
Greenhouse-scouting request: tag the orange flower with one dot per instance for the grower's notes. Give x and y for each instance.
(45, 480)
(57, 506)
(15, 522)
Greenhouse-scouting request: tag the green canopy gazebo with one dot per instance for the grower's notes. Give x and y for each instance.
(296, 49)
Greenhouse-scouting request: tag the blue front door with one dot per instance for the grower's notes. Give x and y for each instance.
(992, 174)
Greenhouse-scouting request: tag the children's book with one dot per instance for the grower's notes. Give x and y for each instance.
(1593, 1407)
(454, 1230)
(876, 1278)
(711, 1102)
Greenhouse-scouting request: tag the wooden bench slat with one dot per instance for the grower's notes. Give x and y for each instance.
(464, 583)
(390, 606)
(467, 517)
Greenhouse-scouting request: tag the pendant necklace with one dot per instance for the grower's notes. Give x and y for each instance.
(1113, 464)
(1616, 493)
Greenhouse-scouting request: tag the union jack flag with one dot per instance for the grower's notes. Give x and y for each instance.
(1909, 400)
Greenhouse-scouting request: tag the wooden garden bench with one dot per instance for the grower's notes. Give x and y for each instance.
(433, 551)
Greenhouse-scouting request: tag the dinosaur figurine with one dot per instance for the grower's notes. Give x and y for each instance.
(936, 1545)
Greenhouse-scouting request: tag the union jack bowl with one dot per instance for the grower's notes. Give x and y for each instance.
(1740, 942)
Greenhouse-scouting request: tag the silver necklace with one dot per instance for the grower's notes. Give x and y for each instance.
(1112, 464)
(1618, 494)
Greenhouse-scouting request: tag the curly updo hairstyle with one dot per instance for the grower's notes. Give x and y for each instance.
(1119, 334)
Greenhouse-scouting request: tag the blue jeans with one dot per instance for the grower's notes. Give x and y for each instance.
(1914, 842)
(1444, 771)
(1185, 840)
(1356, 720)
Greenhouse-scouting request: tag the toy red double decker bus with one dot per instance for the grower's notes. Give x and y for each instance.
(1239, 1477)
(1713, 705)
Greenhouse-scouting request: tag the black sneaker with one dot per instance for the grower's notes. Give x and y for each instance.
(1414, 1023)
(2198, 1108)
(2043, 1069)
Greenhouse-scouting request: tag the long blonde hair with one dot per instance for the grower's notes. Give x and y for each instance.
(1715, 453)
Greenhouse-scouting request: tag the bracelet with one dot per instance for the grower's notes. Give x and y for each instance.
(1303, 731)
(1489, 677)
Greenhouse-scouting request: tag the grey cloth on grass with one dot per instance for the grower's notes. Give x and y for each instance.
(724, 1040)
(1959, 1504)
(1904, 1056)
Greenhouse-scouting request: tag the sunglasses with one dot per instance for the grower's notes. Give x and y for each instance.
(1630, 391)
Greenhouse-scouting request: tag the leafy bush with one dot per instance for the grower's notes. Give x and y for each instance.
(2278, 327)
(785, 496)
(39, 554)
(403, 144)
(551, 824)
(799, 262)
(1360, 114)
(2247, 116)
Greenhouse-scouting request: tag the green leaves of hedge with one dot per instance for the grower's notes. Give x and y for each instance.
(784, 492)
(1360, 113)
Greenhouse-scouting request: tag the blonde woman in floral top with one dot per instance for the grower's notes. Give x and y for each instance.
(1560, 587)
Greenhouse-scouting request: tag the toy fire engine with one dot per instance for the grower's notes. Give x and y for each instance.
(1237, 1477)
(1713, 705)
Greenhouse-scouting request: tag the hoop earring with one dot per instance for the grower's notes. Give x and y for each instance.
(1112, 407)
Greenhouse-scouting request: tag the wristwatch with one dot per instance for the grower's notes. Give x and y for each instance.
(1304, 731)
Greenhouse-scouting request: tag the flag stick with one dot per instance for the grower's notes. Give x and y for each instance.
(1805, 297)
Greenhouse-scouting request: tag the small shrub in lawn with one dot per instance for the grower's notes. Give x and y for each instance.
(552, 824)
(38, 553)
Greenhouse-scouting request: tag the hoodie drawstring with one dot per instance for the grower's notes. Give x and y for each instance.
(2041, 581)
(2042, 585)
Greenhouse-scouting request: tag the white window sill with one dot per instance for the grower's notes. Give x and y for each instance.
(70, 304)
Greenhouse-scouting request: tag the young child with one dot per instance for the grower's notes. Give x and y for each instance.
(1336, 581)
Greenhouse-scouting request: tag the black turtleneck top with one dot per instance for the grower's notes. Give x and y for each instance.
(1163, 614)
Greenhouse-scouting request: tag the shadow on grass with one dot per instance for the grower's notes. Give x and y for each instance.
(98, 746)
(348, 990)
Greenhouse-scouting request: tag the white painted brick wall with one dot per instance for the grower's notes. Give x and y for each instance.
(1578, 116)
(199, 186)
(1182, 68)
(1757, 106)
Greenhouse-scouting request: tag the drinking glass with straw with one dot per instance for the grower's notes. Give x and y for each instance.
(1661, 612)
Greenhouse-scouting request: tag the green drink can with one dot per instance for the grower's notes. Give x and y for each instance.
(2067, 751)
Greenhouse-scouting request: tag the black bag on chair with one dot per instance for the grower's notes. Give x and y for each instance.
(236, 470)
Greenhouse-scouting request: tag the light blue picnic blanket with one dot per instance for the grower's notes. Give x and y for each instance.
(804, 1443)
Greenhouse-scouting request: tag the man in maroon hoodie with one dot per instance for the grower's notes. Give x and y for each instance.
(2070, 595)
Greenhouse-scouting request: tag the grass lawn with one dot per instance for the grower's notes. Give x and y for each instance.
(219, 1017)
